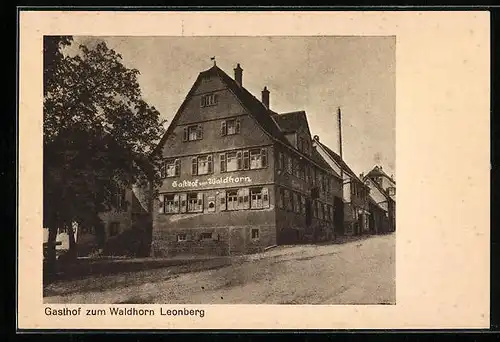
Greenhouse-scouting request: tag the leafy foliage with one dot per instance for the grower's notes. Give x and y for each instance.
(99, 133)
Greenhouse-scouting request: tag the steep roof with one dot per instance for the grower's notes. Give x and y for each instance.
(292, 121)
(269, 120)
(339, 161)
(256, 108)
(379, 188)
(377, 171)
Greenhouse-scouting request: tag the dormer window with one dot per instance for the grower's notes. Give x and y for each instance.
(209, 100)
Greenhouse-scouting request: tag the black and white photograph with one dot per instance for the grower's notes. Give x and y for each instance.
(219, 170)
(237, 170)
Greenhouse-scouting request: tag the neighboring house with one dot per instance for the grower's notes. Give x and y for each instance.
(355, 194)
(126, 227)
(383, 190)
(239, 177)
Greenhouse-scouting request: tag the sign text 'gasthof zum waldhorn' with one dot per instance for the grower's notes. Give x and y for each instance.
(211, 181)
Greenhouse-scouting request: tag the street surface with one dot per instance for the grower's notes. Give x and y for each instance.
(356, 272)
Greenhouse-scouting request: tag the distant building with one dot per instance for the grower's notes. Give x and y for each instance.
(354, 193)
(126, 227)
(383, 192)
(239, 177)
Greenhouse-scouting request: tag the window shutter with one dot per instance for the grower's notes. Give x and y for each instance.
(238, 157)
(246, 160)
(245, 195)
(263, 153)
(183, 205)
(200, 132)
(238, 126)
(223, 129)
(194, 166)
(222, 157)
(161, 205)
(210, 164)
(265, 197)
(222, 200)
(200, 201)
(177, 167)
(216, 98)
(185, 138)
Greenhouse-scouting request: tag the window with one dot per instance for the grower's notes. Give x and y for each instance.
(171, 204)
(243, 160)
(255, 234)
(209, 100)
(303, 204)
(232, 200)
(315, 209)
(181, 237)
(320, 210)
(302, 170)
(201, 165)
(206, 236)
(289, 165)
(259, 198)
(230, 127)
(326, 212)
(114, 228)
(281, 198)
(232, 161)
(171, 168)
(195, 202)
(258, 158)
(281, 160)
(288, 200)
(194, 132)
(296, 168)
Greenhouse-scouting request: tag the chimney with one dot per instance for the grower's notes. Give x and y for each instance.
(238, 75)
(265, 97)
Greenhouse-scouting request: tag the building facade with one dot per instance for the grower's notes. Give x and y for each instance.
(355, 194)
(235, 180)
(126, 227)
(383, 191)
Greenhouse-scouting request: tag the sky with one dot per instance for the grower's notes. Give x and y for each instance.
(316, 74)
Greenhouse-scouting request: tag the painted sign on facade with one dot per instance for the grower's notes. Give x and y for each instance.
(210, 181)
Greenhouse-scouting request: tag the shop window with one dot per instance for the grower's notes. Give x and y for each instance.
(193, 132)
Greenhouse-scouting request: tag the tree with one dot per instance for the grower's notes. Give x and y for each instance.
(99, 134)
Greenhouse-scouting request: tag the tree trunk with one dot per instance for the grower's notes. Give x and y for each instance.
(72, 252)
(51, 249)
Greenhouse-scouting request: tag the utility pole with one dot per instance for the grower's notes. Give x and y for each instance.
(339, 112)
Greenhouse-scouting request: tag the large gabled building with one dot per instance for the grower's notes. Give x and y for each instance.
(239, 177)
